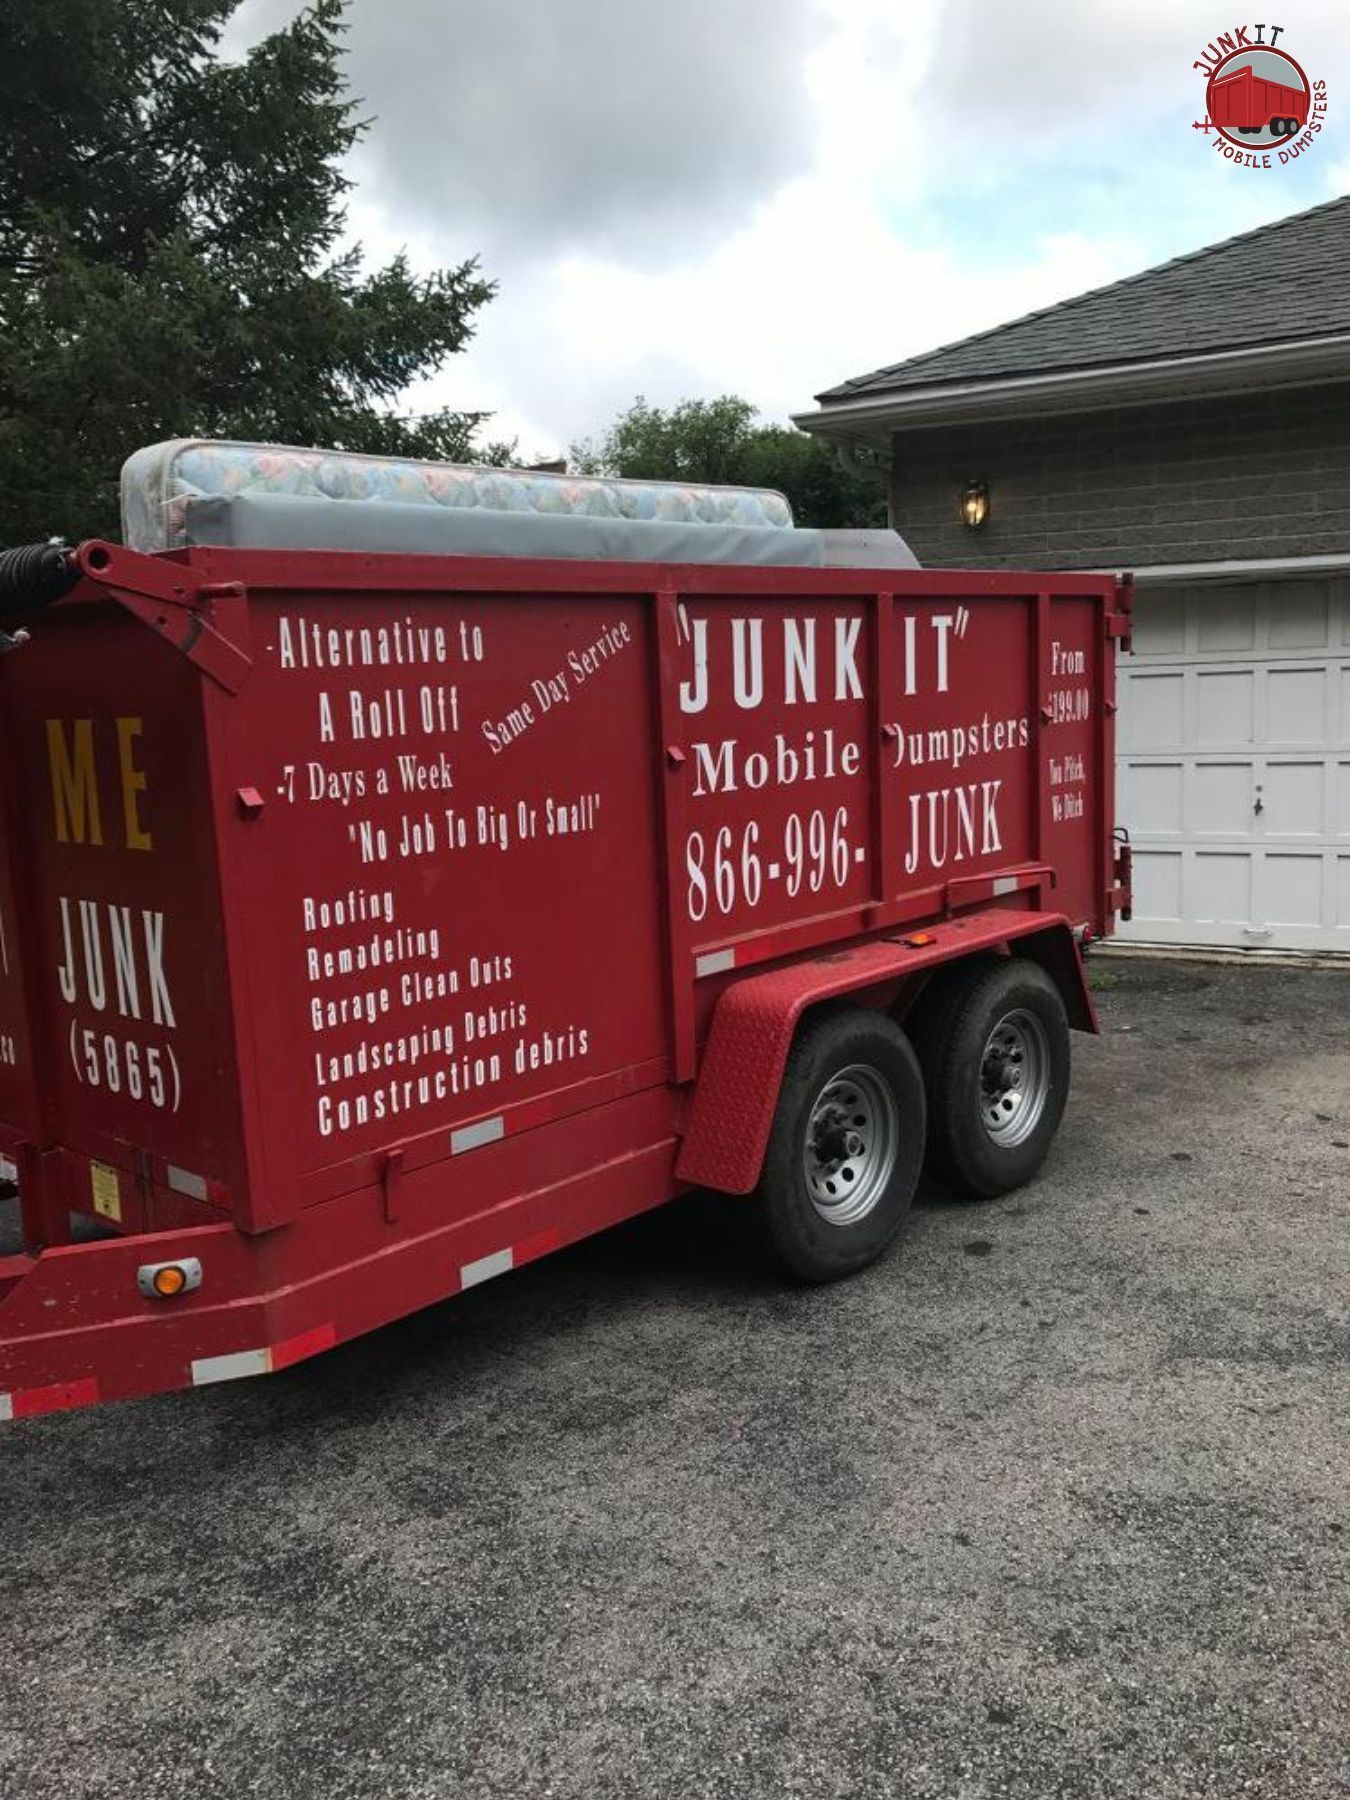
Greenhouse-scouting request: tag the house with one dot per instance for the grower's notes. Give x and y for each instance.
(1192, 424)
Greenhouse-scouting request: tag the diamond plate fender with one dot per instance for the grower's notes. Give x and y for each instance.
(755, 1019)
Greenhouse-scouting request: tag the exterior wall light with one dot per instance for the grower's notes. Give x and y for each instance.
(975, 503)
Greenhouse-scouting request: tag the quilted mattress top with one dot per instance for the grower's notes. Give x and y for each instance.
(160, 482)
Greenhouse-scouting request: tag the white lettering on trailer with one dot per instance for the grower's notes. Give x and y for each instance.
(161, 1007)
(354, 907)
(956, 820)
(942, 624)
(811, 757)
(473, 1137)
(124, 963)
(747, 664)
(748, 685)
(847, 684)
(799, 659)
(555, 687)
(304, 644)
(124, 958)
(945, 627)
(953, 745)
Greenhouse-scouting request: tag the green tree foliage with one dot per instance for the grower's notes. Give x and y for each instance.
(723, 440)
(171, 260)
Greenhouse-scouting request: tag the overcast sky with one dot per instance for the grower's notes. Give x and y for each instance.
(691, 197)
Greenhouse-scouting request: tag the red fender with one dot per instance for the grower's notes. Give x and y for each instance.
(756, 1018)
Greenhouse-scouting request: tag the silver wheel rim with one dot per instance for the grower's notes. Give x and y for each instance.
(1014, 1078)
(852, 1140)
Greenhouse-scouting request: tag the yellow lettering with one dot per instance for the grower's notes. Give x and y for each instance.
(74, 787)
(133, 784)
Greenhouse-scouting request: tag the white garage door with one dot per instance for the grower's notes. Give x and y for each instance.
(1234, 765)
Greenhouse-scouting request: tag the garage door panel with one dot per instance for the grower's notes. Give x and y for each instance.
(1155, 798)
(1235, 765)
(1221, 887)
(1225, 621)
(1158, 628)
(1299, 619)
(1221, 799)
(1156, 718)
(1157, 887)
(1291, 889)
(1294, 799)
(1296, 706)
(1225, 708)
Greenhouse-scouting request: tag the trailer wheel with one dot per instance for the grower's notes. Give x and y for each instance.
(995, 1058)
(846, 1145)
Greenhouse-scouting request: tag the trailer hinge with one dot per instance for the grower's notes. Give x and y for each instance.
(167, 597)
(1120, 622)
(1120, 898)
(391, 1184)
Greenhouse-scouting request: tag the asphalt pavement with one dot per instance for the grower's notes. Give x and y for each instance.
(1053, 1501)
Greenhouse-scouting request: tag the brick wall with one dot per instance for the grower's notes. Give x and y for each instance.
(1255, 476)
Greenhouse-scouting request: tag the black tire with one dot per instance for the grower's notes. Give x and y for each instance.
(979, 1144)
(851, 1080)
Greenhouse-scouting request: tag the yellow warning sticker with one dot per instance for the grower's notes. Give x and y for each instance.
(107, 1192)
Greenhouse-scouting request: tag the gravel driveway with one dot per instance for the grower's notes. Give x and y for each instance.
(1056, 1500)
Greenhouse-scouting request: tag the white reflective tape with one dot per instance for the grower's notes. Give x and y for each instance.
(485, 1268)
(1004, 884)
(233, 1367)
(183, 1181)
(6, 1409)
(714, 962)
(8, 1171)
(470, 1137)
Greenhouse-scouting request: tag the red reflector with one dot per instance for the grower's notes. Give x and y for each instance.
(533, 1247)
(308, 1343)
(31, 1403)
(920, 940)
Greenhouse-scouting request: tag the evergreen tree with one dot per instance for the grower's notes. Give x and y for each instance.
(171, 260)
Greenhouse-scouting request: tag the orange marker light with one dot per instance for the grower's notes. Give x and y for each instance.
(165, 1281)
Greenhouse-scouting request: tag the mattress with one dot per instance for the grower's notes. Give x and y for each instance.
(298, 522)
(159, 483)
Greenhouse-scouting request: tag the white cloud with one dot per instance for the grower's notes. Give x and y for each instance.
(801, 191)
(815, 289)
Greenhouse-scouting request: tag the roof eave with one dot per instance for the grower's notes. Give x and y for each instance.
(871, 417)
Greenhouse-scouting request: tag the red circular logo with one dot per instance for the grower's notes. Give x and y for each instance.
(1257, 98)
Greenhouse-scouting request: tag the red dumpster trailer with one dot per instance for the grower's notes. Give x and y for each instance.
(373, 921)
(1246, 102)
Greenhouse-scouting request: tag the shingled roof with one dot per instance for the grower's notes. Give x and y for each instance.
(1279, 284)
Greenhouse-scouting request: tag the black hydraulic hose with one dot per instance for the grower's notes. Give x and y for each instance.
(33, 575)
